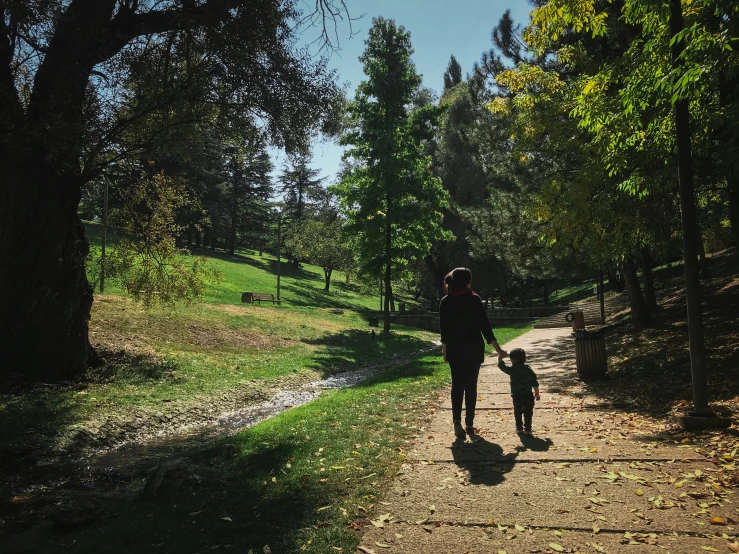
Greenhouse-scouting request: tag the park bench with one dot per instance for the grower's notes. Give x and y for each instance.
(251, 297)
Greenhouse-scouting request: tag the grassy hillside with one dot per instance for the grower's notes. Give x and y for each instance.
(247, 271)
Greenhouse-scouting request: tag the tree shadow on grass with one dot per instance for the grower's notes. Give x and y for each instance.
(238, 507)
(356, 348)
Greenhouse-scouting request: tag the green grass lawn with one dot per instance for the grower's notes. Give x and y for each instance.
(300, 482)
(249, 272)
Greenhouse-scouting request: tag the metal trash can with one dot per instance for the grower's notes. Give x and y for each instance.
(246, 298)
(577, 319)
(590, 355)
(374, 321)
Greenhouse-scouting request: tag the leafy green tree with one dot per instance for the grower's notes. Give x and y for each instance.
(321, 242)
(63, 106)
(146, 260)
(389, 194)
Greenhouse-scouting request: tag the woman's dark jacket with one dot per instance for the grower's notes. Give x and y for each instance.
(464, 322)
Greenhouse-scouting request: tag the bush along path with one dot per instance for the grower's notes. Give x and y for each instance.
(593, 479)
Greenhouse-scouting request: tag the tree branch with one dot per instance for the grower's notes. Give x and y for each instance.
(127, 25)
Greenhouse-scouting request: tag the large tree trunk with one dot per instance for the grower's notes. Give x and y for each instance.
(45, 298)
(648, 276)
(639, 308)
(689, 225)
(327, 275)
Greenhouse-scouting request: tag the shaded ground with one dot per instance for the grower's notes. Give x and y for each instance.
(650, 368)
(598, 477)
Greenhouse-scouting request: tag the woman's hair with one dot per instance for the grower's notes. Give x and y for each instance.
(457, 279)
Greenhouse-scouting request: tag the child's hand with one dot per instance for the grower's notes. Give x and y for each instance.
(500, 357)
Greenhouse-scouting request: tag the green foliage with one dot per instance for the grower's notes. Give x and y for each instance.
(321, 242)
(389, 194)
(147, 261)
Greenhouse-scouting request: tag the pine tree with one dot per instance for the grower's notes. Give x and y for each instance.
(300, 186)
(453, 74)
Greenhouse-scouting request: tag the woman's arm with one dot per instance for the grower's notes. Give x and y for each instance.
(487, 329)
(443, 353)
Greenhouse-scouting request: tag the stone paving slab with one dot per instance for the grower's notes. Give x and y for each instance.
(429, 539)
(590, 466)
(554, 445)
(562, 494)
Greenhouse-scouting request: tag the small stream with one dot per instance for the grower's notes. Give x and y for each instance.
(135, 459)
(119, 472)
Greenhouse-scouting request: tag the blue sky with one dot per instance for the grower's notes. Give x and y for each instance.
(439, 28)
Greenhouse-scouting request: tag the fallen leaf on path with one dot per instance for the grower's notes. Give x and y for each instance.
(718, 521)
(520, 527)
(432, 508)
(556, 547)
(710, 549)
(323, 508)
(734, 546)
(365, 550)
(228, 519)
(382, 545)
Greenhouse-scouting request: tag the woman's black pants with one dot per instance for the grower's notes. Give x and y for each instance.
(465, 370)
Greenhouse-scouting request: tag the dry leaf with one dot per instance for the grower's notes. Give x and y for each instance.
(520, 527)
(227, 519)
(365, 550)
(733, 546)
(377, 523)
(718, 520)
(710, 549)
(382, 545)
(556, 547)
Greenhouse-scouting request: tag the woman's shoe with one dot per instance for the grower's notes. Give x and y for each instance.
(459, 430)
(474, 437)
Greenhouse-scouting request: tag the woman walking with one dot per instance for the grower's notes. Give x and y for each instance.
(464, 323)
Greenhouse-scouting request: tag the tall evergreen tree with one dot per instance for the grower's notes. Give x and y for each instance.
(300, 186)
(250, 188)
(453, 74)
(391, 198)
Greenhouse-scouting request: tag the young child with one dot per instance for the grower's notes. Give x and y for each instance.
(523, 379)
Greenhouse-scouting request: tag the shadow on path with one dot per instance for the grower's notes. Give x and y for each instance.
(536, 444)
(470, 457)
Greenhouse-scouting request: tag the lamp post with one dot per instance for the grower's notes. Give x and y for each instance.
(105, 229)
(279, 253)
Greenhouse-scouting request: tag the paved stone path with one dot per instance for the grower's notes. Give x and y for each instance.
(593, 479)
